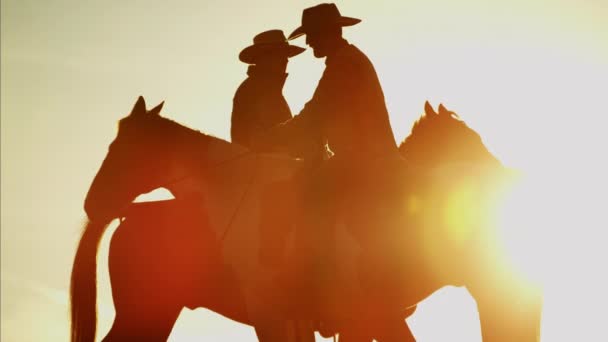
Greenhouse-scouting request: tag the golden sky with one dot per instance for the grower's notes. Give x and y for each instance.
(530, 76)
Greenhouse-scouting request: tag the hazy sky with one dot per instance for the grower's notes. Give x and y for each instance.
(530, 76)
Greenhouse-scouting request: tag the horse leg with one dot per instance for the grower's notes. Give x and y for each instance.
(147, 289)
(303, 331)
(146, 309)
(291, 330)
(509, 309)
(382, 329)
(509, 317)
(355, 334)
(393, 329)
(269, 331)
(135, 324)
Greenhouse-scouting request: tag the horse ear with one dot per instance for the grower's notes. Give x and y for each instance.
(428, 109)
(140, 106)
(443, 110)
(156, 110)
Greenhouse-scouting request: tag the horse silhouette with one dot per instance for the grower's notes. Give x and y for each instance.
(201, 249)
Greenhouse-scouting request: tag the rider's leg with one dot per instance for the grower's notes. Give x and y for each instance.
(276, 221)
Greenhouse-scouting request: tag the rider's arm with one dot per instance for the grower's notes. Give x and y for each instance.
(243, 118)
(307, 128)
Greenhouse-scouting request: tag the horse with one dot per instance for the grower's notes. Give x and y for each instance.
(218, 268)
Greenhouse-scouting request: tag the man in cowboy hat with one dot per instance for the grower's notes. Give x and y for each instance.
(347, 110)
(349, 114)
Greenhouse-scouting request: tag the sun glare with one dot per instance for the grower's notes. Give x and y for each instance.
(531, 220)
(460, 212)
(521, 227)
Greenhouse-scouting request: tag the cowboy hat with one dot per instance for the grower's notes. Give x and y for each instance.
(272, 41)
(319, 17)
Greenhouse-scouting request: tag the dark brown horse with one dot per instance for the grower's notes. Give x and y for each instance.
(162, 262)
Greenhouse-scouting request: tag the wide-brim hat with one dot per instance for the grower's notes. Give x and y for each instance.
(320, 17)
(266, 43)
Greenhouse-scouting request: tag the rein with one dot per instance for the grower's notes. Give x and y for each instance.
(243, 196)
(191, 175)
(240, 203)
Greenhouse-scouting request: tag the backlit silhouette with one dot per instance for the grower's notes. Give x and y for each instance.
(258, 102)
(203, 252)
(258, 105)
(348, 112)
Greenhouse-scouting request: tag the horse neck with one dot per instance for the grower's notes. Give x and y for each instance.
(183, 157)
(485, 158)
(486, 161)
(233, 186)
(194, 156)
(431, 156)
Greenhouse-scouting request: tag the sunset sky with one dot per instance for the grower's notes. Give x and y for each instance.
(531, 76)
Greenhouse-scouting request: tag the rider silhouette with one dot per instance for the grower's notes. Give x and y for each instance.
(348, 112)
(258, 103)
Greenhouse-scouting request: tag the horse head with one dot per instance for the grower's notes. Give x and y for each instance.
(441, 137)
(133, 164)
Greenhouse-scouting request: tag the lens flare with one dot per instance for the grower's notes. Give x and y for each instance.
(527, 222)
(460, 213)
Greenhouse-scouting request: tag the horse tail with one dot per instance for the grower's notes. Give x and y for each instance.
(83, 284)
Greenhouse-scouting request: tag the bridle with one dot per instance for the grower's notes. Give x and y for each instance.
(187, 176)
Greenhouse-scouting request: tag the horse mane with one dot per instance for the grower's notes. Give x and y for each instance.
(196, 134)
(159, 126)
(431, 125)
(434, 133)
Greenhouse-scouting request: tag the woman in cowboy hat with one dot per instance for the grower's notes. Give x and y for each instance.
(258, 103)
